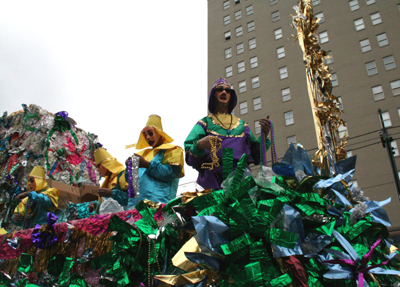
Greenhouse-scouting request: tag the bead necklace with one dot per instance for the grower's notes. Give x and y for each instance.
(230, 125)
(151, 238)
(215, 143)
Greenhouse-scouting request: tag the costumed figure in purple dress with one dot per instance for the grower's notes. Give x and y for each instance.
(226, 130)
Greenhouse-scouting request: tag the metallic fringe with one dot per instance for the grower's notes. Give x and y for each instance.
(79, 242)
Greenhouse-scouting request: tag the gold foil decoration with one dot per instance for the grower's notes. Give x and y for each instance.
(325, 106)
(180, 260)
(183, 279)
(189, 196)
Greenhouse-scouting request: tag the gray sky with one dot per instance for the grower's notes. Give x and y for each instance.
(109, 64)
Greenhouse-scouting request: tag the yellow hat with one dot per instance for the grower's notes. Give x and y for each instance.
(103, 157)
(155, 122)
(38, 173)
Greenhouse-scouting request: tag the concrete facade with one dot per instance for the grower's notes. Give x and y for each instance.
(361, 67)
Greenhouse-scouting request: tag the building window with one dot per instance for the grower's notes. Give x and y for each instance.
(340, 103)
(257, 103)
(320, 16)
(255, 82)
(242, 87)
(238, 15)
(275, 16)
(278, 33)
(354, 5)
(243, 108)
(227, 20)
(227, 35)
(389, 62)
(382, 40)
(228, 71)
(273, 2)
(359, 24)
(395, 85)
(240, 48)
(226, 5)
(253, 62)
(334, 81)
(365, 45)
(377, 91)
(252, 44)
(280, 52)
(257, 127)
(369, 2)
(376, 18)
(342, 131)
(241, 68)
(291, 139)
(283, 73)
(237, 1)
(249, 10)
(228, 53)
(386, 119)
(250, 26)
(285, 94)
(329, 60)
(289, 118)
(323, 37)
(395, 149)
(316, 2)
(371, 68)
(239, 31)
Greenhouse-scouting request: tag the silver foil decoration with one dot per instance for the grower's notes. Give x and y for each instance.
(135, 175)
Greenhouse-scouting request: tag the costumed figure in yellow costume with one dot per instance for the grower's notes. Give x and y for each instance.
(114, 185)
(160, 165)
(37, 202)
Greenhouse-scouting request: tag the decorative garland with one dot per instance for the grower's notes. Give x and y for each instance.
(133, 176)
(215, 143)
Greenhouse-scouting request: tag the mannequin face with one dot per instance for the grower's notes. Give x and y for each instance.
(152, 137)
(102, 170)
(31, 183)
(222, 95)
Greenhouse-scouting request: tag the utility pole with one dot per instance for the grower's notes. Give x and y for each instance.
(387, 143)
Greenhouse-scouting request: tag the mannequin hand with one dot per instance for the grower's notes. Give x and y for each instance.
(204, 143)
(265, 125)
(142, 162)
(105, 192)
(21, 196)
(17, 217)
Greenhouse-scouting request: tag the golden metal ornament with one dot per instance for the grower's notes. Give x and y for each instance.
(215, 143)
(324, 105)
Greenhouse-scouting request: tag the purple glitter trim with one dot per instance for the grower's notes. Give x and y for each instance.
(131, 189)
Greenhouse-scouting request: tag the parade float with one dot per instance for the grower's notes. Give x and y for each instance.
(298, 223)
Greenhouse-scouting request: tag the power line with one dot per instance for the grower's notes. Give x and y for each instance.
(377, 185)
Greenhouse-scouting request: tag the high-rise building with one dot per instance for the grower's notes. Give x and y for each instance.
(250, 43)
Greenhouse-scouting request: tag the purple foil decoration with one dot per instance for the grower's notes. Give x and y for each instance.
(131, 190)
(360, 267)
(62, 114)
(91, 173)
(47, 238)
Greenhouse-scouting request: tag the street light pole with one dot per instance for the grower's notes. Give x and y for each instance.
(387, 143)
